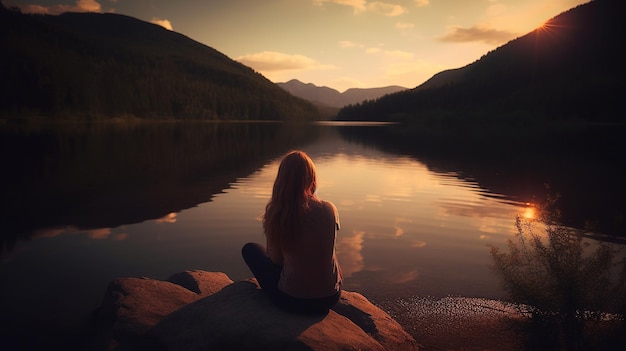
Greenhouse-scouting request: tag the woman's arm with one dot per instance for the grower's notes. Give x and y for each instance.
(274, 252)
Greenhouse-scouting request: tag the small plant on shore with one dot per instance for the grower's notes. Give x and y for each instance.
(560, 279)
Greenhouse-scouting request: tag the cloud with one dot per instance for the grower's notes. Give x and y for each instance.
(392, 54)
(357, 5)
(404, 25)
(360, 6)
(162, 22)
(460, 34)
(272, 61)
(79, 6)
(347, 44)
(386, 9)
(422, 3)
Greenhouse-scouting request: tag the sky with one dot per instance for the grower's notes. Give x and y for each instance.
(340, 44)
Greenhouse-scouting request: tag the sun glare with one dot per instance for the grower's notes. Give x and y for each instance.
(550, 27)
(529, 212)
(545, 26)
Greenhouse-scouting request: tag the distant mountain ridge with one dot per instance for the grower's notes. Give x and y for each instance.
(99, 66)
(330, 97)
(568, 70)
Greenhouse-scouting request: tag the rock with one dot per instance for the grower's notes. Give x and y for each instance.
(198, 310)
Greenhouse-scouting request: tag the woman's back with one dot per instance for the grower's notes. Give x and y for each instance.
(310, 268)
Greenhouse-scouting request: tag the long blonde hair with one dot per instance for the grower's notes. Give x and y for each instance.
(295, 183)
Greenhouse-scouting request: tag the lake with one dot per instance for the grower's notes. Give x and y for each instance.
(85, 204)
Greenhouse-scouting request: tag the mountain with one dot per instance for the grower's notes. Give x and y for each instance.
(569, 70)
(326, 96)
(95, 66)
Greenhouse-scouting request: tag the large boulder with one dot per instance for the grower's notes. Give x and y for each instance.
(198, 310)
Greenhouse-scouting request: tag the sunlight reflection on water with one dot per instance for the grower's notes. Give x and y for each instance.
(405, 229)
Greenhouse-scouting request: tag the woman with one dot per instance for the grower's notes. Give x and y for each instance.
(298, 268)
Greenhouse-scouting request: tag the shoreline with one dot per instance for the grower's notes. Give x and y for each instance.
(457, 323)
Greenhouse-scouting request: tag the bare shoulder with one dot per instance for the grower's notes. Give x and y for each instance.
(330, 206)
(324, 206)
(331, 211)
(327, 205)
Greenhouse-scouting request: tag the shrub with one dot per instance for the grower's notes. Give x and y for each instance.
(560, 278)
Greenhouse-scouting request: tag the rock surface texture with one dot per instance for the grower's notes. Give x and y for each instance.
(199, 310)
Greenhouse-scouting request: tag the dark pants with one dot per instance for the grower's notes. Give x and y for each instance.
(268, 273)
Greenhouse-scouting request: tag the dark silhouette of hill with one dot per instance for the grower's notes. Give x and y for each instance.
(354, 95)
(91, 65)
(569, 70)
(326, 96)
(442, 78)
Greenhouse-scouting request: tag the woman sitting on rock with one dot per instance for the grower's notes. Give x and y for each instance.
(298, 268)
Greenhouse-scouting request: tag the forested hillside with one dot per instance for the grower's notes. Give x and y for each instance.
(569, 70)
(93, 66)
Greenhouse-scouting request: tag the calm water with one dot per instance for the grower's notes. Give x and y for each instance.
(86, 205)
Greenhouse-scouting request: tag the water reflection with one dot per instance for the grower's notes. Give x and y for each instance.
(349, 246)
(105, 175)
(583, 165)
(168, 218)
(97, 233)
(152, 200)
